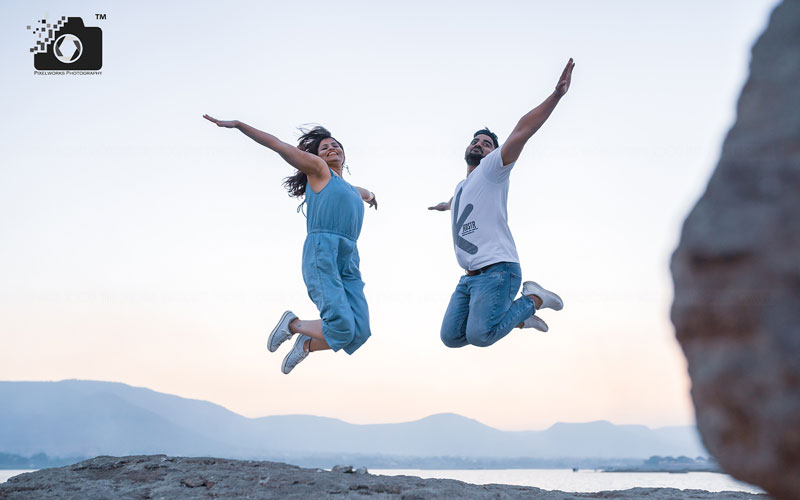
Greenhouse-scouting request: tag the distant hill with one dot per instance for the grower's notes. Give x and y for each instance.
(89, 418)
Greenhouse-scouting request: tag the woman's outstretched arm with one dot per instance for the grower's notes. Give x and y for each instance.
(368, 196)
(309, 164)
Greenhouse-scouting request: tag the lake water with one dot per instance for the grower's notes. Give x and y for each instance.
(7, 473)
(583, 480)
(563, 479)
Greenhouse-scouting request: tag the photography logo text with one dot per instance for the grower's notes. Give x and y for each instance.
(67, 47)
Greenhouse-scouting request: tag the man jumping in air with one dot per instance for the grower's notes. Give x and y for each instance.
(482, 309)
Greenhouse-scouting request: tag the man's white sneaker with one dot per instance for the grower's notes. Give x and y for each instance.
(549, 299)
(280, 333)
(535, 322)
(296, 355)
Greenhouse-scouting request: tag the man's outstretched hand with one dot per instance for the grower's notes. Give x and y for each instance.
(441, 207)
(566, 78)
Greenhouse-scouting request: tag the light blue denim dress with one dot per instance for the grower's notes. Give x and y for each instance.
(330, 263)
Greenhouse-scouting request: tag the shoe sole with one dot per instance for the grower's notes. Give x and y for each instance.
(275, 330)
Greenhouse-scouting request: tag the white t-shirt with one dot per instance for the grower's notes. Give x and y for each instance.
(480, 215)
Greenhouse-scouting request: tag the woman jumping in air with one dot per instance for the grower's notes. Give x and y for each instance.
(330, 257)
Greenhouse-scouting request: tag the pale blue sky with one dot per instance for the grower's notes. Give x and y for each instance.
(141, 244)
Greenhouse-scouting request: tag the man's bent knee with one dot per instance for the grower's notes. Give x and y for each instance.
(480, 339)
(452, 340)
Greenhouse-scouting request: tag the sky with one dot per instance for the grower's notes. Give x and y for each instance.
(139, 243)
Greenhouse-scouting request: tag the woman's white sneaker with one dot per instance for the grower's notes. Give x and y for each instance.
(296, 355)
(549, 299)
(281, 332)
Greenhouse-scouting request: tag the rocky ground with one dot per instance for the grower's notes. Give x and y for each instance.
(175, 478)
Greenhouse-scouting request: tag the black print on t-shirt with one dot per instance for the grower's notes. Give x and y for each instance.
(468, 228)
(458, 222)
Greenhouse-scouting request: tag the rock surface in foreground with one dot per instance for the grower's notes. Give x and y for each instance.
(737, 276)
(174, 478)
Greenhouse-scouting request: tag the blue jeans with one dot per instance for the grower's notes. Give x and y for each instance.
(482, 309)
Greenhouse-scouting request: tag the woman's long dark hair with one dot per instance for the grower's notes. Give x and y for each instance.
(309, 142)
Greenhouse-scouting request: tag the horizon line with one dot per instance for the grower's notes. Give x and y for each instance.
(344, 421)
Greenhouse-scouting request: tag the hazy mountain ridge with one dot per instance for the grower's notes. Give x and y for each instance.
(86, 418)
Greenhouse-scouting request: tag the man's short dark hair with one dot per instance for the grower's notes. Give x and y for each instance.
(486, 131)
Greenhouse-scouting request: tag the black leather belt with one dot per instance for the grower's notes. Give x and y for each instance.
(478, 271)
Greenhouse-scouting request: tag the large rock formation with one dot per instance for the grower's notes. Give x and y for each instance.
(737, 276)
(161, 477)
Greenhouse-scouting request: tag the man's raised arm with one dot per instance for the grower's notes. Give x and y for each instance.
(535, 118)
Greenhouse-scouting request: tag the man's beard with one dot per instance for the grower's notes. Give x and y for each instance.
(473, 159)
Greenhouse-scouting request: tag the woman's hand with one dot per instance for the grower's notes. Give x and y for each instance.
(222, 123)
(367, 197)
(372, 201)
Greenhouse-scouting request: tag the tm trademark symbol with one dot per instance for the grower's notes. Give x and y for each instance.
(100, 16)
